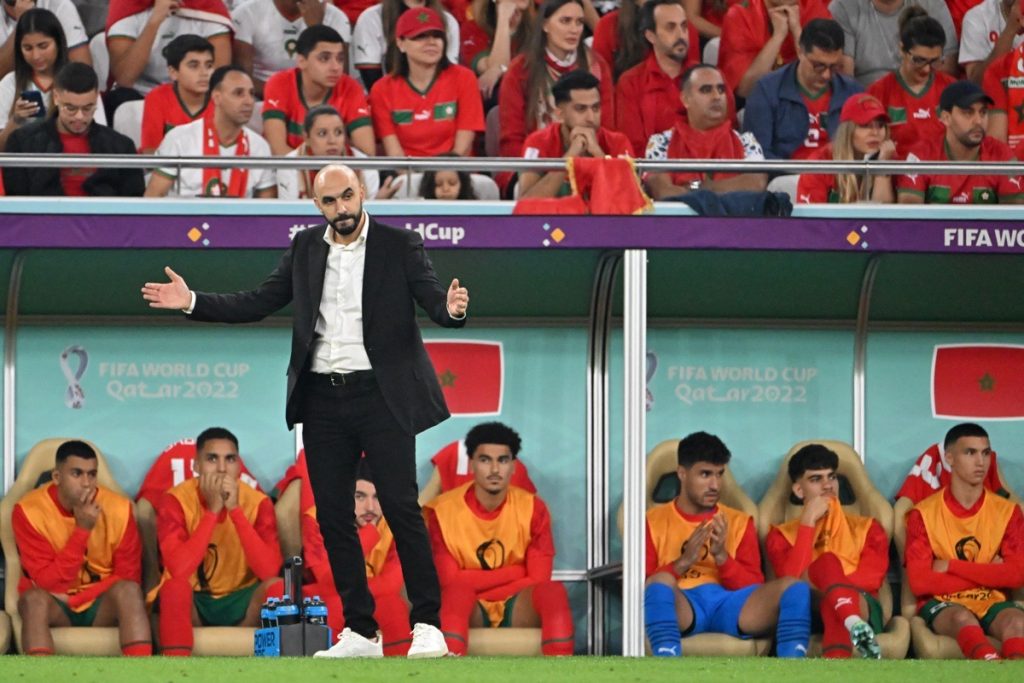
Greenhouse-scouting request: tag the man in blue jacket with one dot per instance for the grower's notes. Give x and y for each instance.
(794, 111)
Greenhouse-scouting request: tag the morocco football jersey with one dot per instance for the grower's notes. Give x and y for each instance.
(960, 189)
(283, 100)
(425, 122)
(162, 110)
(817, 133)
(914, 117)
(818, 188)
(1004, 83)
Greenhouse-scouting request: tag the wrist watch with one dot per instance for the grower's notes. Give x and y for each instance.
(694, 185)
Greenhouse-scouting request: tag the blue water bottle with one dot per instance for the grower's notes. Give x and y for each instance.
(316, 612)
(287, 612)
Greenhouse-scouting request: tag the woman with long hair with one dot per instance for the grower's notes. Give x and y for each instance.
(911, 92)
(555, 48)
(426, 106)
(374, 42)
(863, 133)
(323, 136)
(40, 51)
(496, 31)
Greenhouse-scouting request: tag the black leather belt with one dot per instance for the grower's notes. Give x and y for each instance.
(344, 379)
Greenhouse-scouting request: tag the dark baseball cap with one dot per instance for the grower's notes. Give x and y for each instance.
(962, 94)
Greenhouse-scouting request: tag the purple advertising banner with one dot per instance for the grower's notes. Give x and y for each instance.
(528, 232)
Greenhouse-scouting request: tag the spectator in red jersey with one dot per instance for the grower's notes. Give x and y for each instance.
(183, 100)
(555, 48)
(318, 78)
(872, 32)
(647, 95)
(705, 133)
(911, 92)
(963, 109)
(863, 133)
(1004, 83)
(990, 30)
(620, 38)
(576, 133)
(324, 133)
(759, 36)
(72, 130)
(497, 30)
(794, 111)
(427, 106)
(375, 44)
(707, 16)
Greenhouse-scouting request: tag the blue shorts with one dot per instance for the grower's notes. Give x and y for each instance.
(717, 609)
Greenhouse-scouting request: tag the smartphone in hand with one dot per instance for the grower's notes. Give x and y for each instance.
(35, 97)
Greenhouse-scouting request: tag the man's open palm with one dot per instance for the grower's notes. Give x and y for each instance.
(174, 294)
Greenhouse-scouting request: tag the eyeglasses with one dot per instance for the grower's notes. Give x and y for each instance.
(919, 61)
(73, 109)
(822, 67)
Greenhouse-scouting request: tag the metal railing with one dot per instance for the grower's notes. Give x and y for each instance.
(512, 164)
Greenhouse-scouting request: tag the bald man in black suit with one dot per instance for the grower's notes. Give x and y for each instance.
(359, 381)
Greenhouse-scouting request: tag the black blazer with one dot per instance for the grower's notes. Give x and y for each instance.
(397, 272)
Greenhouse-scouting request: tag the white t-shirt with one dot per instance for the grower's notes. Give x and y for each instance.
(982, 25)
(7, 97)
(258, 23)
(173, 26)
(368, 41)
(67, 14)
(289, 181)
(187, 141)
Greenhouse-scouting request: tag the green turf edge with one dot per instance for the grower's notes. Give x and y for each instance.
(477, 669)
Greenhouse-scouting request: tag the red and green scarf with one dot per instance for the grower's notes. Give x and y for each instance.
(213, 185)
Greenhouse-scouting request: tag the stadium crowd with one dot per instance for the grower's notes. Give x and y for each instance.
(914, 80)
(217, 550)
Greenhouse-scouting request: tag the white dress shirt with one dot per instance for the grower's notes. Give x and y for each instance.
(339, 323)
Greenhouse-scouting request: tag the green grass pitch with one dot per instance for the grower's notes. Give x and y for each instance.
(19, 669)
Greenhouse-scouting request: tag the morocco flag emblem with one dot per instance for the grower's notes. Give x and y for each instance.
(978, 381)
(471, 374)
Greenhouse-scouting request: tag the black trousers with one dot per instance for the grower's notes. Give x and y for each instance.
(340, 423)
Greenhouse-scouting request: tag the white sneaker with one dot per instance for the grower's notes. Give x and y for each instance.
(351, 644)
(427, 642)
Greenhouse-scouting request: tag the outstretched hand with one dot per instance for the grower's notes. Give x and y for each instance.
(174, 294)
(458, 299)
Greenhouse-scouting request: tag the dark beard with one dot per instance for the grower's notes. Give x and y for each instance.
(343, 231)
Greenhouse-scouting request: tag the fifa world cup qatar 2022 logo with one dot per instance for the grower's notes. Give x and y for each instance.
(77, 356)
